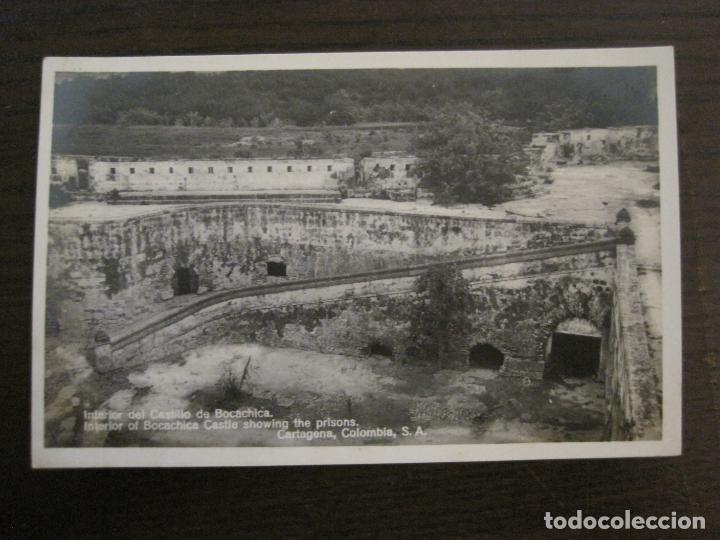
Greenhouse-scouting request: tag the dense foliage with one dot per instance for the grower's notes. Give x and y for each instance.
(535, 98)
(466, 158)
(441, 312)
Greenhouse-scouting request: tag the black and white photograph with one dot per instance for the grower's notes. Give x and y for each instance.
(357, 258)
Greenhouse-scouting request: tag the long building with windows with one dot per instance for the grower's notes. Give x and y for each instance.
(104, 175)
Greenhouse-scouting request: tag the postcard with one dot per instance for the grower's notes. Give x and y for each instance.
(357, 258)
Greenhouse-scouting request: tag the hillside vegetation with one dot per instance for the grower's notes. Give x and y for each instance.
(534, 98)
(232, 142)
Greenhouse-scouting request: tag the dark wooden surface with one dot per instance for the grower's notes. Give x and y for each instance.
(439, 500)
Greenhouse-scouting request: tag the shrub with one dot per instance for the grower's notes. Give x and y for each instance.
(112, 196)
(441, 312)
(58, 196)
(230, 384)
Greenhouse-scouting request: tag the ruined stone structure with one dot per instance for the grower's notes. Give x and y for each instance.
(332, 279)
(128, 267)
(626, 142)
(103, 175)
(389, 174)
(64, 170)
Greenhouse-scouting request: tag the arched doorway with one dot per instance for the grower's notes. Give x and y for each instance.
(83, 178)
(185, 281)
(276, 267)
(485, 356)
(574, 350)
(378, 348)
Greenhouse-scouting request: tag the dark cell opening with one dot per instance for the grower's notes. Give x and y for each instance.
(573, 355)
(276, 268)
(185, 281)
(83, 178)
(486, 356)
(378, 348)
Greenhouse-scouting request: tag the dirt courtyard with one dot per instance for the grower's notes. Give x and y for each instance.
(379, 395)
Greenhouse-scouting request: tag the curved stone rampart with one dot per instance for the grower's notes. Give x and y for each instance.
(110, 272)
(519, 279)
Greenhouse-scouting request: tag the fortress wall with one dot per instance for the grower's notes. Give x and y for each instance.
(518, 305)
(633, 386)
(112, 272)
(219, 175)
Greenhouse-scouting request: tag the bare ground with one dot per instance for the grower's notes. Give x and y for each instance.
(450, 406)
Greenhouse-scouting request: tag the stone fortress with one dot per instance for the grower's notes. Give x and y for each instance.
(384, 174)
(311, 274)
(575, 145)
(294, 178)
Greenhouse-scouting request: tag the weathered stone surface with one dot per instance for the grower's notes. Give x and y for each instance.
(110, 274)
(517, 309)
(632, 384)
(125, 267)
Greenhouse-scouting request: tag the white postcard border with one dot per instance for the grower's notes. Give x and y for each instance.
(671, 443)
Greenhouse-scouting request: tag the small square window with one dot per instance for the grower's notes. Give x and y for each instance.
(329, 167)
(171, 170)
(132, 170)
(407, 167)
(289, 168)
(249, 169)
(152, 170)
(112, 170)
(190, 170)
(210, 170)
(269, 169)
(54, 170)
(588, 137)
(309, 168)
(230, 169)
(392, 166)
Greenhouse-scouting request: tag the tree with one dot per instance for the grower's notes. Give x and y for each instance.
(140, 117)
(542, 98)
(465, 158)
(441, 312)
